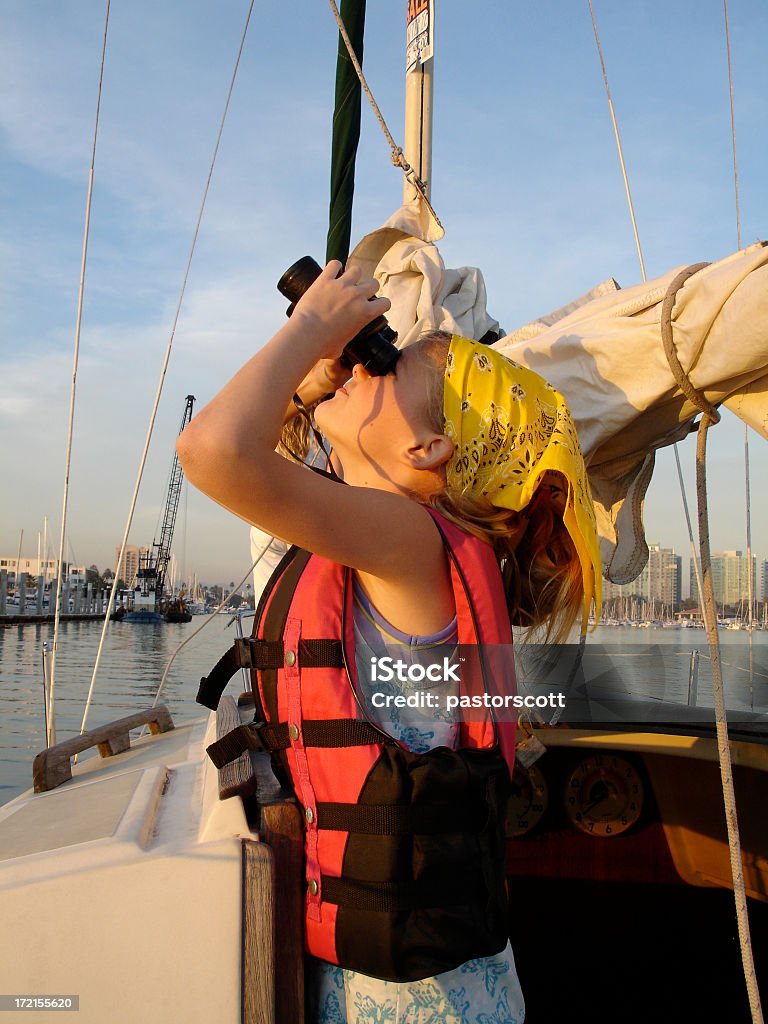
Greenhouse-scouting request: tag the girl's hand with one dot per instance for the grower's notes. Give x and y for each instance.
(325, 376)
(334, 309)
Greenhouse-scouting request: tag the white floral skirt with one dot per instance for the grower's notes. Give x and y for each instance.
(481, 991)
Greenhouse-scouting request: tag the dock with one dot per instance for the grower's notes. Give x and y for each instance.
(34, 620)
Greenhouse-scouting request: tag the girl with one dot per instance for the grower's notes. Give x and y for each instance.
(466, 508)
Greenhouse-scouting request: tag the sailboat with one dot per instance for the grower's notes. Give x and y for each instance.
(182, 885)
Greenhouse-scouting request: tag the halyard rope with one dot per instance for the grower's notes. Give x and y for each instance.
(709, 610)
(642, 267)
(51, 719)
(721, 721)
(208, 618)
(398, 157)
(163, 370)
(733, 125)
(618, 143)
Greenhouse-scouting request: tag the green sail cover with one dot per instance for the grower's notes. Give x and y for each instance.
(346, 133)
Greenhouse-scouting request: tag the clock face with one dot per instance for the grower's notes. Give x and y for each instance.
(604, 795)
(528, 802)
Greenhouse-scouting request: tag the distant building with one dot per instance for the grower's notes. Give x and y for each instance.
(764, 582)
(130, 563)
(730, 577)
(660, 580)
(31, 566)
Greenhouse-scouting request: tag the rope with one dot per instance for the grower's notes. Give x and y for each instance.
(398, 157)
(723, 746)
(694, 556)
(161, 381)
(709, 611)
(618, 143)
(223, 603)
(642, 272)
(202, 626)
(750, 580)
(51, 721)
(733, 125)
(694, 397)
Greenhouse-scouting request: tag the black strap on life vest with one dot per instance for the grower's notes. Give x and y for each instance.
(281, 589)
(400, 819)
(268, 654)
(393, 897)
(334, 732)
(251, 653)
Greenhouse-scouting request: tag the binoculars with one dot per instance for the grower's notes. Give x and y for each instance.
(373, 347)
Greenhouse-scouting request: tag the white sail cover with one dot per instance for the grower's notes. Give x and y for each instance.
(604, 352)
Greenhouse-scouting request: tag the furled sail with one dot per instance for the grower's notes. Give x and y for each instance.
(604, 352)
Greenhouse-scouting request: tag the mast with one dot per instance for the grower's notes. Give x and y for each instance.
(419, 88)
(18, 569)
(346, 132)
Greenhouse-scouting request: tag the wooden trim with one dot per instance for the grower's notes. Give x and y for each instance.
(52, 766)
(282, 829)
(237, 778)
(284, 832)
(258, 932)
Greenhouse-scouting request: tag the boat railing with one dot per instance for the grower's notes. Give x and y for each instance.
(53, 765)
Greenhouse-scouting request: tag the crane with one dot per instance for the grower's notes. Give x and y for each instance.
(163, 546)
(147, 602)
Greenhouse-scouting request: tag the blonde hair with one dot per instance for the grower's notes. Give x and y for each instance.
(296, 436)
(539, 563)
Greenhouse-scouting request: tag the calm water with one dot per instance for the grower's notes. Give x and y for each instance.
(132, 664)
(644, 663)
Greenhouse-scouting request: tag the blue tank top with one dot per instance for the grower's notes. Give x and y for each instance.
(480, 991)
(424, 722)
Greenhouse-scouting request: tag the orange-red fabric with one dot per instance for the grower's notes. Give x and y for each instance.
(321, 774)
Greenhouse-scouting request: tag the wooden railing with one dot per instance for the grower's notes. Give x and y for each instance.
(52, 766)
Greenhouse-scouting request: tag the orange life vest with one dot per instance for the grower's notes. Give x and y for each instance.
(404, 851)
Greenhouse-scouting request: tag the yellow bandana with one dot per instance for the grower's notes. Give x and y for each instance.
(509, 427)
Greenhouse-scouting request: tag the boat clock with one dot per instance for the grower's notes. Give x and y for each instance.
(603, 795)
(528, 803)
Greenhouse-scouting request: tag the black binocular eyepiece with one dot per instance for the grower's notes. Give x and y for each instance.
(373, 347)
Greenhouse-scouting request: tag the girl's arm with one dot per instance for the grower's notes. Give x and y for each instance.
(228, 449)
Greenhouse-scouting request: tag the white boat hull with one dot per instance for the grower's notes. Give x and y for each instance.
(124, 887)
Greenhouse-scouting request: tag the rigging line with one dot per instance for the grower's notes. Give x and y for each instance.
(201, 627)
(710, 415)
(642, 272)
(694, 556)
(164, 368)
(221, 605)
(750, 575)
(733, 125)
(618, 144)
(51, 722)
(398, 157)
(721, 721)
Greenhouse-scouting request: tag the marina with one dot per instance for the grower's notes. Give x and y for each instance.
(656, 667)
(133, 664)
(624, 854)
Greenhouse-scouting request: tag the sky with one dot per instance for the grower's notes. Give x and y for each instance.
(526, 181)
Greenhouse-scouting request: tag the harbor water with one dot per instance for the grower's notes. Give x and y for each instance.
(132, 665)
(652, 664)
